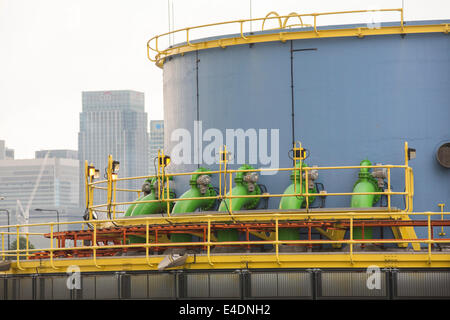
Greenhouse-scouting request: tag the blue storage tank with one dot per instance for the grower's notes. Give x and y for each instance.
(346, 99)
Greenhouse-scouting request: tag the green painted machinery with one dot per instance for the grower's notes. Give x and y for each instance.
(297, 202)
(245, 184)
(200, 187)
(149, 189)
(365, 183)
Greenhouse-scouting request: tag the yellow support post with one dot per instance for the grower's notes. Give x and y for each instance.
(114, 184)
(94, 246)
(89, 178)
(168, 196)
(3, 246)
(109, 185)
(89, 191)
(147, 245)
(389, 188)
(301, 170)
(86, 179)
(442, 205)
(277, 239)
(307, 190)
(295, 170)
(91, 201)
(351, 240)
(429, 237)
(231, 193)
(406, 153)
(52, 247)
(209, 243)
(27, 246)
(298, 155)
(158, 174)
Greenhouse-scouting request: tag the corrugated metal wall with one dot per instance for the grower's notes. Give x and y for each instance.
(285, 284)
(237, 284)
(419, 284)
(350, 284)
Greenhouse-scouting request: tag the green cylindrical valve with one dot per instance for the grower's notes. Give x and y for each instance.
(295, 202)
(200, 187)
(138, 209)
(365, 183)
(245, 184)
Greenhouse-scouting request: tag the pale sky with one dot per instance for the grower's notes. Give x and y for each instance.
(52, 50)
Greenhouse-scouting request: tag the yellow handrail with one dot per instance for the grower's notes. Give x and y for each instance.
(268, 15)
(255, 215)
(231, 216)
(429, 241)
(160, 54)
(165, 195)
(294, 14)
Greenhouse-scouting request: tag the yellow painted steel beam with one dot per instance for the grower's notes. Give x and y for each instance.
(264, 236)
(258, 217)
(297, 35)
(198, 234)
(333, 234)
(406, 233)
(236, 261)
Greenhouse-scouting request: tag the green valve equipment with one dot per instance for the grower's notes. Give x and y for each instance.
(150, 190)
(366, 183)
(297, 202)
(245, 184)
(200, 187)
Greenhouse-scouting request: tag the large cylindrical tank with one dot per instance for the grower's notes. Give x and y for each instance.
(352, 99)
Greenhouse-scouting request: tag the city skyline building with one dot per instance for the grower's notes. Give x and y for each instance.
(156, 143)
(6, 153)
(113, 123)
(40, 190)
(51, 182)
(57, 153)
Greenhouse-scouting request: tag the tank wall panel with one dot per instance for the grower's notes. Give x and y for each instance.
(353, 99)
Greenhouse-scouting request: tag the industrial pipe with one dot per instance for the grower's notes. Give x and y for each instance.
(365, 183)
(200, 187)
(297, 202)
(150, 193)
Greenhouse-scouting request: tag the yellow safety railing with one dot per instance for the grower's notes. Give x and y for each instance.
(226, 185)
(225, 192)
(159, 54)
(348, 217)
(407, 193)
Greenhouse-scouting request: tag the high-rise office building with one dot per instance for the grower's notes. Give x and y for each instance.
(156, 142)
(113, 122)
(62, 153)
(49, 183)
(6, 153)
(48, 188)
